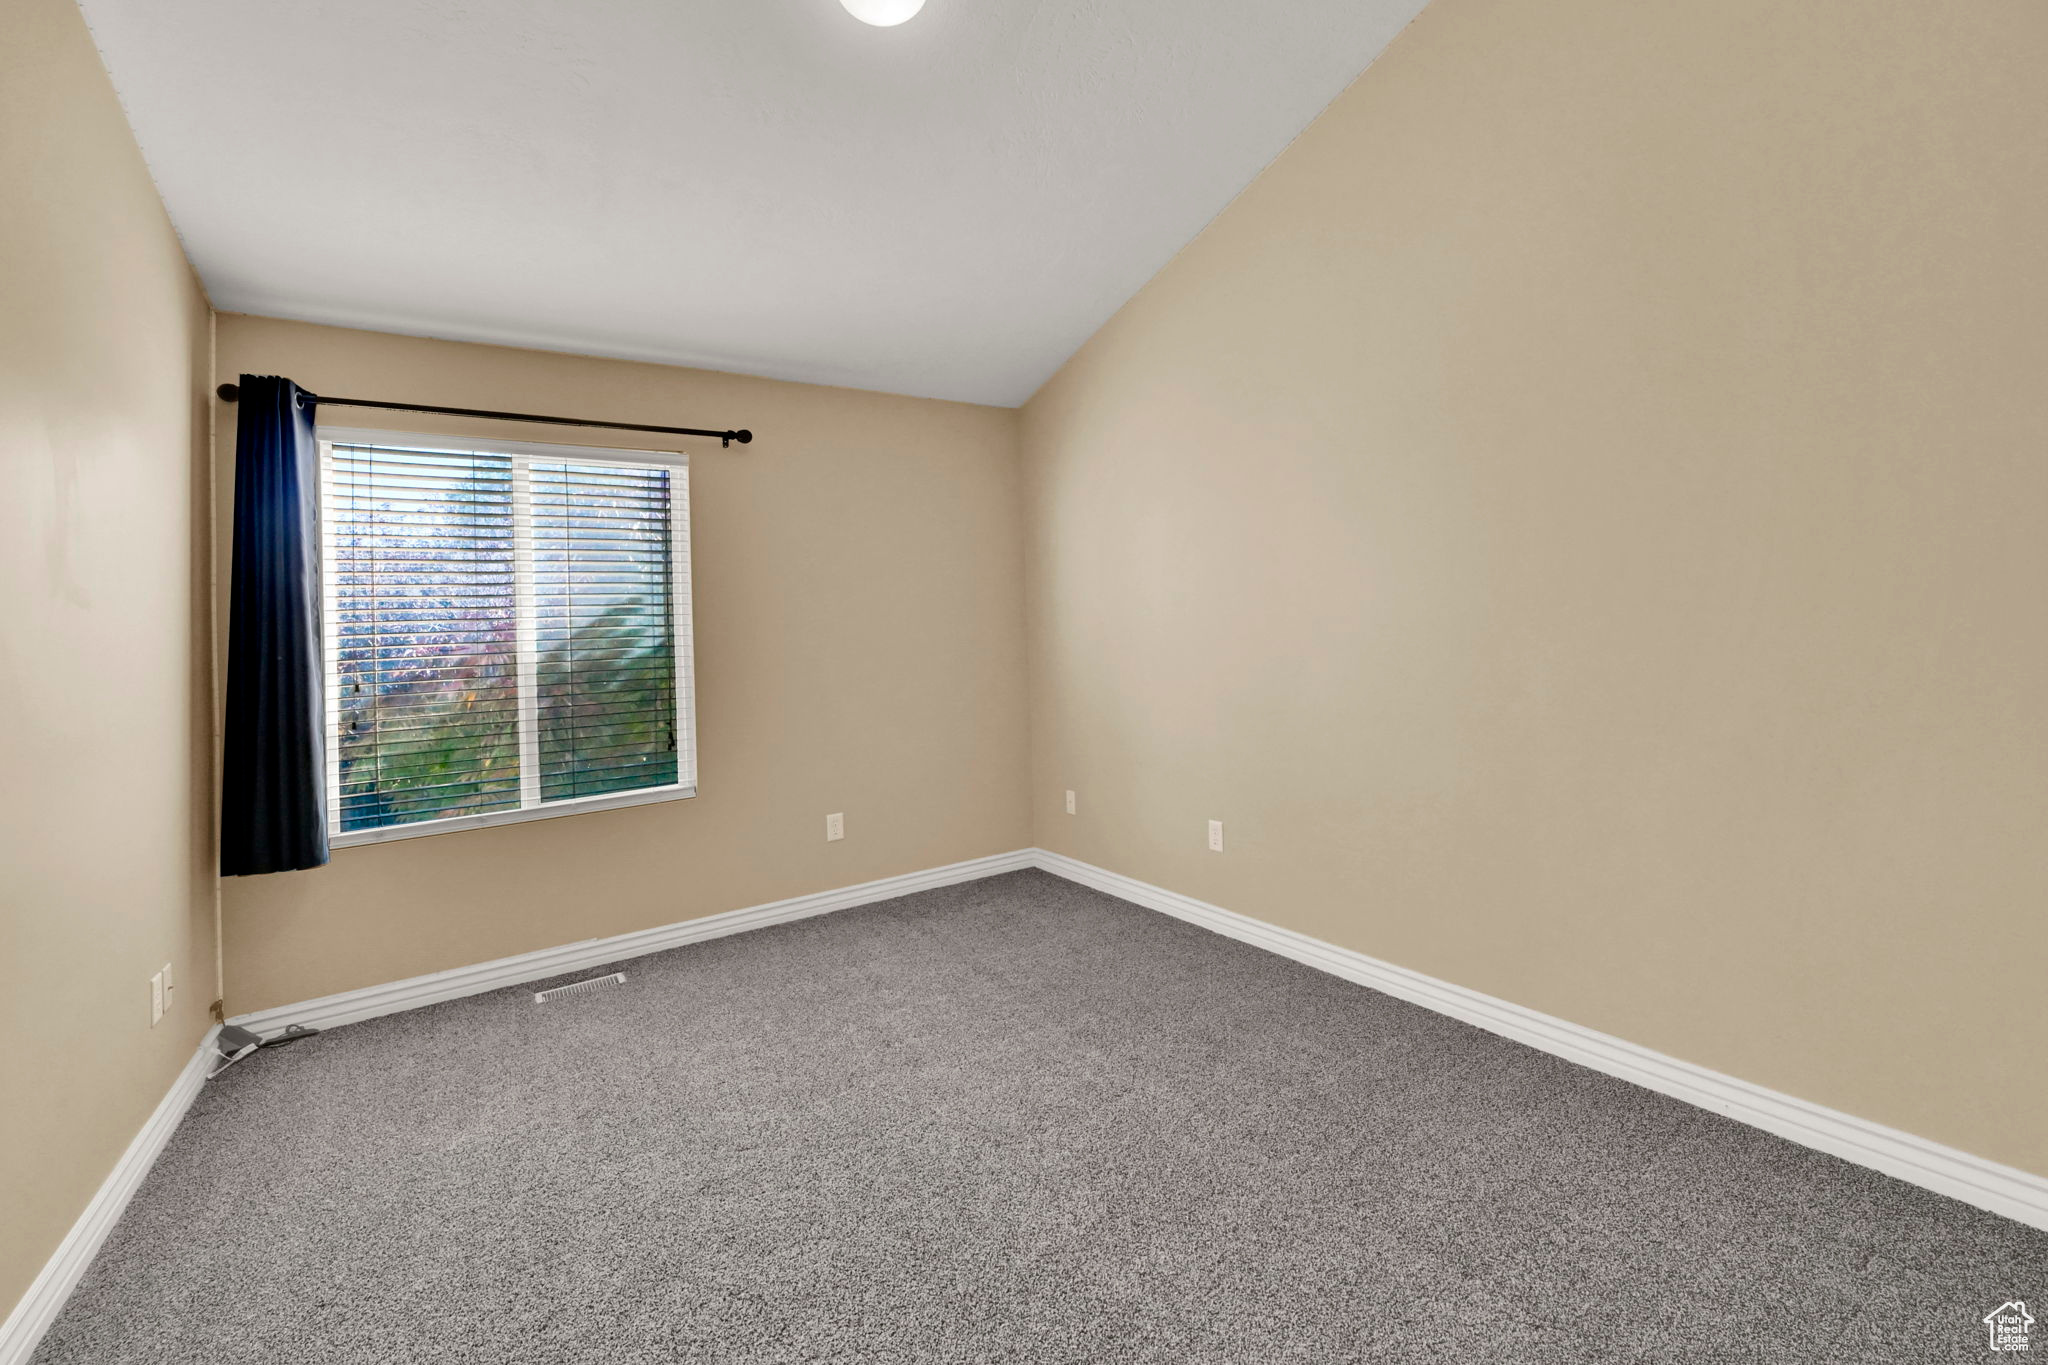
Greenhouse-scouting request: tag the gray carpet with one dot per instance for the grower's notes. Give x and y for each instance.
(1009, 1121)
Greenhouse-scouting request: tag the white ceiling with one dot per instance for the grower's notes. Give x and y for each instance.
(947, 209)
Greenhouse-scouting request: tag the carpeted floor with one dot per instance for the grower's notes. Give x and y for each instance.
(1009, 1121)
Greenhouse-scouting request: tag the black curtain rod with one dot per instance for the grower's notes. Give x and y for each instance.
(231, 392)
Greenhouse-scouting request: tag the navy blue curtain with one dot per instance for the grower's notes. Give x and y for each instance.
(273, 794)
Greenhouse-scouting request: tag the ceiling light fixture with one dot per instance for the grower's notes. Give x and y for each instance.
(883, 13)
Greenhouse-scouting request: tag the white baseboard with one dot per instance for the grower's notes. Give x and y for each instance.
(2003, 1190)
(39, 1307)
(369, 1002)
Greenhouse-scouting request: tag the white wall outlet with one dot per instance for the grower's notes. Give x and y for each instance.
(835, 826)
(1070, 802)
(156, 999)
(1215, 836)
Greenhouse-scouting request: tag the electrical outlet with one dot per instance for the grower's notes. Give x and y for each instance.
(835, 826)
(1070, 803)
(156, 999)
(1215, 836)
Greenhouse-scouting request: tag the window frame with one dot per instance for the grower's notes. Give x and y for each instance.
(522, 453)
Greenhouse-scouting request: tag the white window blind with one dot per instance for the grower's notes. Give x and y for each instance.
(508, 631)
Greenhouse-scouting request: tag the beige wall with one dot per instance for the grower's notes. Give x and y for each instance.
(1581, 518)
(1578, 519)
(105, 865)
(859, 620)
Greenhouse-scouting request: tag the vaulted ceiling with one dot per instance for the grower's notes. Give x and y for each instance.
(947, 208)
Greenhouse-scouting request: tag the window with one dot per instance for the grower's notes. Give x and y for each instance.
(508, 631)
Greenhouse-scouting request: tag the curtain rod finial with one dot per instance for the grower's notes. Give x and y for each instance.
(229, 392)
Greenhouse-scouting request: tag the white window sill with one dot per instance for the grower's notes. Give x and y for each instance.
(419, 829)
